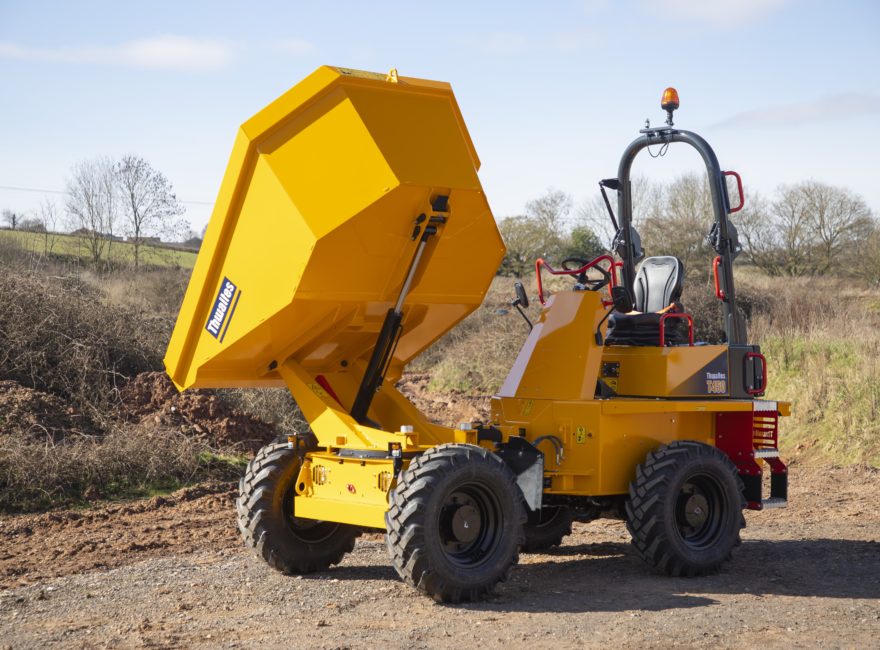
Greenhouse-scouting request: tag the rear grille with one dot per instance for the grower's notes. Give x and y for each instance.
(765, 429)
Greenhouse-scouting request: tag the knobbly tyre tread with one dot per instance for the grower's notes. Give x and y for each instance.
(541, 537)
(648, 524)
(418, 563)
(265, 528)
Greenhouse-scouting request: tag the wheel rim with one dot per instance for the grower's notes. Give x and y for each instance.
(699, 511)
(470, 525)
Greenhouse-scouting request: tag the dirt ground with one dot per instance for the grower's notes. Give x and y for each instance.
(170, 572)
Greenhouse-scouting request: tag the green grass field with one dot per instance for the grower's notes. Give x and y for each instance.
(77, 247)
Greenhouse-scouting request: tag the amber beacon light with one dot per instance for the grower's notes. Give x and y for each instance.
(669, 103)
(670, 100)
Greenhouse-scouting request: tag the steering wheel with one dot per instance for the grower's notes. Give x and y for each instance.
(574, 263)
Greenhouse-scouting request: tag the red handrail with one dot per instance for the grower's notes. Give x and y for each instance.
(614, 267)
(763, 388)
(540, 263)
(739, 187)
(690, 321)
(719, 292)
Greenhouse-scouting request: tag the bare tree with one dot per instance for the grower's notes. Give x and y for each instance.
(11, 218)
(550, 211)
(593, 213)
(777, 236)
(680, 223)
(48, 214)
(91, 204)
(32, 224)
(759, 236)
(837, 218)
(792, 221)
(541, 232)
(867, 252)
(149, 204)
(520, 235)
(806, 230)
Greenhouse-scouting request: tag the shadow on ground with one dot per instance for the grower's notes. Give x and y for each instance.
(610, 577)
(613, 578)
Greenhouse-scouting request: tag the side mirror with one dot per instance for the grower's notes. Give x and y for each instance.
(522, 300)
(521, 297)
(623, 302)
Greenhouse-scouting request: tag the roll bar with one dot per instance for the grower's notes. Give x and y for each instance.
(722, 237)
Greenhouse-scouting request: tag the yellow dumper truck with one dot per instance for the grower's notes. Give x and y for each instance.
(351, 232)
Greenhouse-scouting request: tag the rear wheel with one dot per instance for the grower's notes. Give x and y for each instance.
(267, 522)
(546, 528)
(455, 520)
(685, 509)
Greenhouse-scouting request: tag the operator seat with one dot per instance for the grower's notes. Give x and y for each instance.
(658, 287)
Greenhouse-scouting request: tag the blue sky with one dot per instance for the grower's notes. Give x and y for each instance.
(552, 92)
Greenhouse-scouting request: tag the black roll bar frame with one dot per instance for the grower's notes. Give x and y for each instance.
(724, 240)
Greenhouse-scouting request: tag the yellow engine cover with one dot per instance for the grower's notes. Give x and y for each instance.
(311, 235)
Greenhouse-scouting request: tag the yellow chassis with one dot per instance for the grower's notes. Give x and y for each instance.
(348, 478)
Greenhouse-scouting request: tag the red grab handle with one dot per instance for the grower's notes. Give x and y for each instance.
(690, 321)
(719, 292)
(739, 187)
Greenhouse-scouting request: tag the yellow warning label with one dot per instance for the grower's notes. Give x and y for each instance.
(317, 390)
(611, 382)
(580, 435)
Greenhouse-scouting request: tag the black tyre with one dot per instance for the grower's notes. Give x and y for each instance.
(267, 524)
(546, 528)
(685, 509)
(455, 523)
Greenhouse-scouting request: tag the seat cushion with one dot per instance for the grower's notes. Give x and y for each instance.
(644, 329)
(658, 283)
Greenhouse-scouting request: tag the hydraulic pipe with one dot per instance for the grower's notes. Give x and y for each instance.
(387, 340)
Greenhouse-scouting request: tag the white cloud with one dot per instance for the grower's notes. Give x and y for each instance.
(159, 52)
(176, 52)
(296, 46)
(824, 109)
(716, 13)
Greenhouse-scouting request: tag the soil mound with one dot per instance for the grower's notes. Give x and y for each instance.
(448, 409)
(34, 414)
(151, 397)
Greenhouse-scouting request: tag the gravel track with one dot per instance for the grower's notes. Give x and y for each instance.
(806, 576)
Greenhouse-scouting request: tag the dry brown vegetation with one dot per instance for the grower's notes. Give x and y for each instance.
(86, 412)
(822, 339)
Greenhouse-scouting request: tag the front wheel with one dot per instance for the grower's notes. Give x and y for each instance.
(455, 521)
(685, 509)
(268, 523)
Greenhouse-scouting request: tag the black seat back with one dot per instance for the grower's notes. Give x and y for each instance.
(658, 283)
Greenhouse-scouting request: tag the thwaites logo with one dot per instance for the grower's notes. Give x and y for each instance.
(223, 310)
(716, 383)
